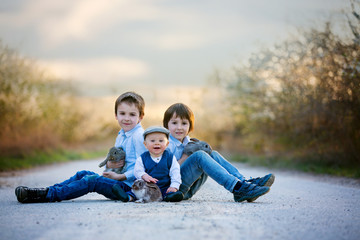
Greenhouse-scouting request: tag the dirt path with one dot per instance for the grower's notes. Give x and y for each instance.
(299, 206)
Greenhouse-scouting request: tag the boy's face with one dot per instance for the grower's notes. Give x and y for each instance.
(156, 143)
(179, 128)
(128, 116)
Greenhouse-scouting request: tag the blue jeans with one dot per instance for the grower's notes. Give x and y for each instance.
(200, 165)
(82, 183)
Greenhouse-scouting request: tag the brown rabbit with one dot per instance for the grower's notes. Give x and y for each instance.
(146, 192)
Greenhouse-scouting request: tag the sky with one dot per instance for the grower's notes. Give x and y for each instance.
(106, 47)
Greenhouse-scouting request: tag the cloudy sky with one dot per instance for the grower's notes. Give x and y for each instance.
(115, 44)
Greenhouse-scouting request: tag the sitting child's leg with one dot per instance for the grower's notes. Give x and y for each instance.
(33, 195)
(267, 180)
(78, 175)
(200, 162)
(227, 165)
(122, 192)
(74, 189)
(189, 192)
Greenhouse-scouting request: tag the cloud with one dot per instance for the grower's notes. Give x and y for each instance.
(97, 70)
(175, 41)
(158, 25)
(60, 22)
(81, 21)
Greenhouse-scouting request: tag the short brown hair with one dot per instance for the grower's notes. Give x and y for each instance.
(180, 110)
(131, 98)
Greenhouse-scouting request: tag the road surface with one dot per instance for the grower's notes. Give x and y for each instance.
(299, 206)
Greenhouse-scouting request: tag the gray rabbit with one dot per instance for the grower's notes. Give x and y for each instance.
(146, 192)
(196, 145)
(115, 155)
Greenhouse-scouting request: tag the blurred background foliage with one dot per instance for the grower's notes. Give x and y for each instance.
(39, 113)
(301, 98)
(296, 102)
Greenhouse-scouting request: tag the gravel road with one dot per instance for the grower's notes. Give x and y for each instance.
(299, 206)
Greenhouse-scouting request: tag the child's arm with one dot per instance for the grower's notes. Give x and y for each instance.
(174, 176)
(114, 175)
(147, 178)
(139, 172)
(138, 148)
(182, 159)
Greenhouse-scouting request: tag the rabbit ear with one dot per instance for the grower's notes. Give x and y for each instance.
(194, 139)
(103, 163)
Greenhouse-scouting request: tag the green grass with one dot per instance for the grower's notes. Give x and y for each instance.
(46, 157)
(305, 165)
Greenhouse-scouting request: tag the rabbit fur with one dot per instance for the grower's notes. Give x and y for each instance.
(146, 192)
(196, 145)
(115, 154)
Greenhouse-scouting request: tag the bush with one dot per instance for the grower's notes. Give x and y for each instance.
(304, 95)
(37, 111)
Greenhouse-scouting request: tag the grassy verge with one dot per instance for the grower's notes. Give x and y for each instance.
(308, 165)
(47, 157)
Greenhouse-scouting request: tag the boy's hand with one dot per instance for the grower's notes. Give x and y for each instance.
(171, 189)
(115, 176)
(148, 178)
(112, 164)
(182, 159)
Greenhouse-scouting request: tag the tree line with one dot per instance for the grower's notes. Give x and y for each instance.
(37, 111)
(302, 96)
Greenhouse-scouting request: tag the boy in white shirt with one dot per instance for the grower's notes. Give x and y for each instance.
(158, 165)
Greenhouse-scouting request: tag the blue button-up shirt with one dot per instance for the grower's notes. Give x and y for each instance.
(176, 147)
(133, 144)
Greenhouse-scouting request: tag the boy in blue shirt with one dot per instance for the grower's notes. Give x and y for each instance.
(129, 111)
(196, 168)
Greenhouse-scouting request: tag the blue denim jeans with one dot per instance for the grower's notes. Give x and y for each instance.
(200, 165)
(82, 183)
(228, 166)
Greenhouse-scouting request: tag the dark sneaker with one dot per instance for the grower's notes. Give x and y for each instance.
(31, 195)
(120, 193)
(174, 197)
(249, 191)
(267, 180)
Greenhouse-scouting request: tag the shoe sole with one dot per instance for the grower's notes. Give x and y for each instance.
(268, 183)
(20, 194)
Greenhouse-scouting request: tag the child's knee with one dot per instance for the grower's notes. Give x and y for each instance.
(91, 179)
(83, 173)
(199, 154)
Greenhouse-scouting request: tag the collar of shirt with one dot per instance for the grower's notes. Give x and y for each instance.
(156, 159)
(178, 143)
(129, 133)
